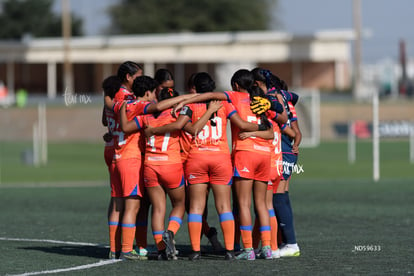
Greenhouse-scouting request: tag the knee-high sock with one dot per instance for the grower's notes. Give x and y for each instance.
(273, 229)
(227, 227)
(265, 235)
(284, 218)
(174, 224)
(291, 227)
(194, 230)
(114, 236)
(246, 235)
(128, 236)
(158, 240)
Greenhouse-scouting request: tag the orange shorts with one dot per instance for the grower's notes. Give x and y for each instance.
(275, 183)
(168, 176)
(215, 169)
(129, 173)
(116, 187)
(251, 165)
(269, 185)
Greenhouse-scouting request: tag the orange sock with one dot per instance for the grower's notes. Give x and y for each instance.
(265, 235)
(128, 235)
(174, 224)
(141, 234)
(194, 230)
(246, 235)
(256, 233)
(158, 239)
(227, 227)
(273, 229)
(114, 236)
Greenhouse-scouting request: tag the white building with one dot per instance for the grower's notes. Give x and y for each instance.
(321, 60)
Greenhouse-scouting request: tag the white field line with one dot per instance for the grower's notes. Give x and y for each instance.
(81, 267)
(54, 241)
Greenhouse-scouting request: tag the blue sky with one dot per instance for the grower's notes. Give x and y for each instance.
(387, 21)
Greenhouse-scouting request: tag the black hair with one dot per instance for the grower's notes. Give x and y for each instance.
(245, 79)
(284, 85)
(268, 78)
(128, 68)
(204, 83)
(143, 84)
(167, 93)
(190, 82)
(163, 75)
(111, 85)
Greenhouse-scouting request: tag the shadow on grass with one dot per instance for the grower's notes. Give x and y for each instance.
(102, 252)
(70, 250)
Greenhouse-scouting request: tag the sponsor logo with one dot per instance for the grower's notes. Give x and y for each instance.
(245, 170)
(157, 158)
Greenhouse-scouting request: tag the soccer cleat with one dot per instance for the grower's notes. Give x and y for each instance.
(229, 255)
(168, 238)
(266, 253)
(132, 256)
(247, 254)
(162, 255)
(195, 256)
(290, 250)
(141, 251)
(276, 254)
(212, 237)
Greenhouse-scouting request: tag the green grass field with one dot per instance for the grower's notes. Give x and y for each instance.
(346, 224)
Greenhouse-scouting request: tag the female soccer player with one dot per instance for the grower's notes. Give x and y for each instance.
(163, 173)
(291, 138)
(164, 78)
(110, 86)
(249, 173)
(126, 74)
(202, 170)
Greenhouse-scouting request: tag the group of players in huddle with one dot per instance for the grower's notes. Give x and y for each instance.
(161, 143)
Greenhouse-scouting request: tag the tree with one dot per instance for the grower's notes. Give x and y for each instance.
(164, 16)
(33, 17)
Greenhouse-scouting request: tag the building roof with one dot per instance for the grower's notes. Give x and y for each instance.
(269, 46)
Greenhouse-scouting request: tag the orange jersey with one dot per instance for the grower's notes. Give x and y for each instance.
(139, 107)
(127, 145)
(123, 94)
(241, 101)
(185, 144)
(162, 149)
(212, 138)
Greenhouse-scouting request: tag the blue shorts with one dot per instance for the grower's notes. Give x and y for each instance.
(289, 162)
